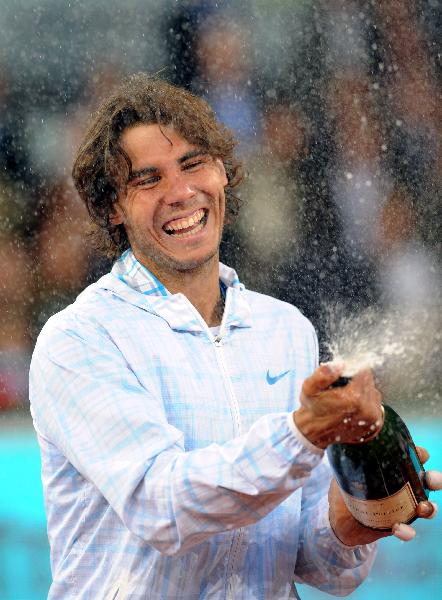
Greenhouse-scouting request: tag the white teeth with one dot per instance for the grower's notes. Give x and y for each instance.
(186, 223)
(189, 233)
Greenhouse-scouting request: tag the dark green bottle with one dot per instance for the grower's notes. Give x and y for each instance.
(382, 480)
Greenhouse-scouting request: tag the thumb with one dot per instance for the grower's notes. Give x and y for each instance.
(322, 378)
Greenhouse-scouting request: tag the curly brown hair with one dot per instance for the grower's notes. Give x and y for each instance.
(101, 168)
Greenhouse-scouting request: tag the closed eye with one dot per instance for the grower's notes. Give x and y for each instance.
(193, 164)
(147, 181)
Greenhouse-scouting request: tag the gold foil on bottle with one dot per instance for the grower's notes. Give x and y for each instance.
(385, 512)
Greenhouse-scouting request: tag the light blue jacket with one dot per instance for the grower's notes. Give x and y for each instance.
(171, 465)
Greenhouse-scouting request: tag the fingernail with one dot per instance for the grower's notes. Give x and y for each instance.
(403, 532)
(434, 480)
(426, 509)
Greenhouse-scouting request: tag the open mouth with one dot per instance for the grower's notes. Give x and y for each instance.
(187, 226)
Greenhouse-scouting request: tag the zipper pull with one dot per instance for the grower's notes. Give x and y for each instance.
(217, 341)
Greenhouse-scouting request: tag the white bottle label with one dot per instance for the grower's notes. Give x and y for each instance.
(385, 512)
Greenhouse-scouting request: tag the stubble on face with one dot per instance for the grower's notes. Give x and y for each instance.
(159, 262)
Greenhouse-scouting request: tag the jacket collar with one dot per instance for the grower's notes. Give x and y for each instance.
(132, 282)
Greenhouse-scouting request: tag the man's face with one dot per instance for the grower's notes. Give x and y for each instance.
(174, 208)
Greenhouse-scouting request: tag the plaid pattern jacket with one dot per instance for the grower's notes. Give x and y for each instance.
(171, 465)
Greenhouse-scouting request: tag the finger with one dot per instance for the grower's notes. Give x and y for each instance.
(322, 378)
(403, 532)
(434, 480)
(423, 454)
(425, 510)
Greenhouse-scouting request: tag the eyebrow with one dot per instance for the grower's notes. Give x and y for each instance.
(149, 170)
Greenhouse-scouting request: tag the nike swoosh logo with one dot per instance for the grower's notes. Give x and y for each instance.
(272, 380)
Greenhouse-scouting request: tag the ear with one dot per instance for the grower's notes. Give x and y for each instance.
(117, 216)
(222, 170)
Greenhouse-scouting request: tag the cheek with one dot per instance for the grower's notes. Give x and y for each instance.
(219, 165)
(221, 210)
(218, 195)
(142, 212)
(212, 180)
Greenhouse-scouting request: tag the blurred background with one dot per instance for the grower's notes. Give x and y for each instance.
(337, 107)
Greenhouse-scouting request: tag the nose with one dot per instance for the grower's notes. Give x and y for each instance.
(179, 189)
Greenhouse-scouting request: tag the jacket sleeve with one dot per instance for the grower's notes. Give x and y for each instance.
(323, 561)
(87, 402)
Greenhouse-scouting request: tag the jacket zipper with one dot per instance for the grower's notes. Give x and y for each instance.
(234, 408)
(236, 417)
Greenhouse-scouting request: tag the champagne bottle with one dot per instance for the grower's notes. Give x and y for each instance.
(382, 480)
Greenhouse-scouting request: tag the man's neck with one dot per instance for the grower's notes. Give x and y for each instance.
(201, 288)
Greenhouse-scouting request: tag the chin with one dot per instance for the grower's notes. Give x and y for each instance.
(181, 262)
(192, 264)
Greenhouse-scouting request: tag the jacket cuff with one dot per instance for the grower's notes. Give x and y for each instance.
(301, 438)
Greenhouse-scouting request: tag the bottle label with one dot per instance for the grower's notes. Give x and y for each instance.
(385, 512)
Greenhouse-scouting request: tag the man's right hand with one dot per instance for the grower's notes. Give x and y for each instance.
(349, 414)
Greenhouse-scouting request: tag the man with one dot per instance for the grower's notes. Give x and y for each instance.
(177, 460)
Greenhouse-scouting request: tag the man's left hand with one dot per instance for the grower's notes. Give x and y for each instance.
(352, 533)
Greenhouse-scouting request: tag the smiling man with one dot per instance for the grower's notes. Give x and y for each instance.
(182, 419)
(173, 212)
